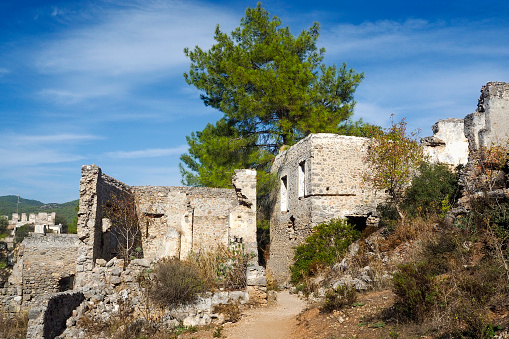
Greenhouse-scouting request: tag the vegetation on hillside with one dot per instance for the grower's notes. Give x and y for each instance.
(453, 281)
(328, 241)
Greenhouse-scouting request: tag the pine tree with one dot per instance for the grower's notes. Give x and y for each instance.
(273, 89)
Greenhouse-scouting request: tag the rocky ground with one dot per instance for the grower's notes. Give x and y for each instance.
(291, 317)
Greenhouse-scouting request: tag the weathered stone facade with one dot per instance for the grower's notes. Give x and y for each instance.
(177, 220)
(320, 178)
(45, 264)
(173, 220)
(33, 218)
(490, 123)
(448, 144)
(453, 139)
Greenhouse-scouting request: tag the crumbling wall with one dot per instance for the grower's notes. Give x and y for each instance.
(176, 220)
(490, 123)
(47, 318)
(45, 264)
(448, 144)
(33, 218)
(96, 191)
(173, 220)
(320, 178)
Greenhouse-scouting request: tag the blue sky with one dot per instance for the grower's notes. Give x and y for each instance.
(100, 82)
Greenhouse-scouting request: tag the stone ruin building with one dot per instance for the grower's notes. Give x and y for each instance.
(173, 220)
(55, 273)
(454, 139)
(42, 222)
(320, 178)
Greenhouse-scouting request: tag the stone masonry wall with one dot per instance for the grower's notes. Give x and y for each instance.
(96, 189)
(490, 123)
(45, 264)
(448, 144)
(176, 220)
(323, 175)
(173, 220)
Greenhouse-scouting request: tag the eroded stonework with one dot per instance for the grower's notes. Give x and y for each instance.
(454, 139)
(320, 178)
(448, 144)
(173, 220)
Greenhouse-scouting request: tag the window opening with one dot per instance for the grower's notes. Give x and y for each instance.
(284, 194)
(302, 179)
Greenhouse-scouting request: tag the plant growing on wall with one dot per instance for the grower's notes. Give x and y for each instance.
(121, 211)
(393, 158)
(328, 241)
(273, 89)
(3, 225)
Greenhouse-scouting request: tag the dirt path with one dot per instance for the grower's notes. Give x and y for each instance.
(277, 321)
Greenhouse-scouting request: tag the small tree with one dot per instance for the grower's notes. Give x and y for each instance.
(121, 210)
(433, 191)
(394, 158)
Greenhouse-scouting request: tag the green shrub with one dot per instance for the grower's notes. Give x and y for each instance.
(434, 189)
(328, 241)
(389, 216)
(336, 299)
(21, 232)
(175, 283)
(440, 252)
(415, 290)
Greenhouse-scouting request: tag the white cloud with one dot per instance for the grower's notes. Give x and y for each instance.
(133, 40)
(390, 39)
(29, 157)
(56, 138)
(34, 150)
(148, 153)
(124, 48)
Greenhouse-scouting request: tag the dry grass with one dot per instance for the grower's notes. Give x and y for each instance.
(223, 267)
(13, 325)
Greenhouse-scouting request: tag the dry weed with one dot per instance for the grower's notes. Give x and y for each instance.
(13, 325)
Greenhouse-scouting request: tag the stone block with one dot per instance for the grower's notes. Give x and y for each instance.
(256, 276)
(100, 262)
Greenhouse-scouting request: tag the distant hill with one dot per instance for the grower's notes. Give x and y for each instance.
(8, 205)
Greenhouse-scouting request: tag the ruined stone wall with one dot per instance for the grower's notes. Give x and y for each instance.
(448, 144)
(44, 264)
(173, 220)
(321, 178)
(490, 123)
(243, 216)
(96, 190)
(48, 318)
(33, 218)
(176, 220)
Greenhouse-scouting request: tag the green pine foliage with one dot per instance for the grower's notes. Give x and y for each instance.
(272, 88)
(328, 241)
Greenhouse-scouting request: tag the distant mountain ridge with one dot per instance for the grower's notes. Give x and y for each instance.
(9, 203)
